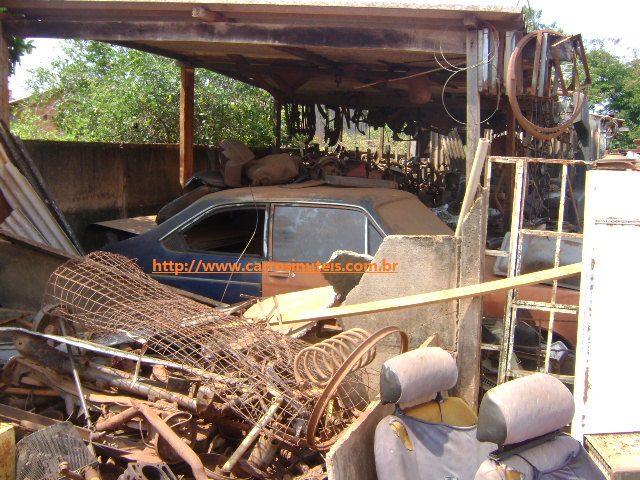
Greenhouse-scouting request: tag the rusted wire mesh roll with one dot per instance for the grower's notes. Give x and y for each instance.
(249, 365)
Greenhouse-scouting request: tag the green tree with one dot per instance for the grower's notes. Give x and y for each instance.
(615, 82)
(17, 48)
(107, 93)
(615, 90)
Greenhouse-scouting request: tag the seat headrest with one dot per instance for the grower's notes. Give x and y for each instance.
(523, 409)
(417, 375)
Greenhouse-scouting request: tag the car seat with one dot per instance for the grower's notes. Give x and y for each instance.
(525, 417)
(428, 436)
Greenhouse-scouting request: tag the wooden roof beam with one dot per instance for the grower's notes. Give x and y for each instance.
(305, 54)
(206, 15)
(357, 39)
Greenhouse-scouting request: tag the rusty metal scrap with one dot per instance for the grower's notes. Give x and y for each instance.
(227, 396)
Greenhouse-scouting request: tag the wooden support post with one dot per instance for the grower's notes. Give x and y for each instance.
(510, 151)
(473, 95)
(5, 112)
(5, 108)
(186, 123)
(277, 125)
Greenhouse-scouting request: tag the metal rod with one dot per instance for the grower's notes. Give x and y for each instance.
(556, 262)
(76, 378)
(515, 246)
(117, 353)
(252, 435)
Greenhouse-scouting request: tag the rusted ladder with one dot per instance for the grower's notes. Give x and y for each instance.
(515, 304)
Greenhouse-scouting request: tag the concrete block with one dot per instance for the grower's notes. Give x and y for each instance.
(424, 264)
(352, 456)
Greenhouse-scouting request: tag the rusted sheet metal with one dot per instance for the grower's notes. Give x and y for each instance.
(135, 225)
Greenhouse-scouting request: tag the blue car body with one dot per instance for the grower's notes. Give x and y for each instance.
(344, 212)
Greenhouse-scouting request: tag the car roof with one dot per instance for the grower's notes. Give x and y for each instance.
(300, 192)
(399, 211)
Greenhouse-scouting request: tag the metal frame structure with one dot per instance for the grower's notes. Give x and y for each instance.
(514, 255)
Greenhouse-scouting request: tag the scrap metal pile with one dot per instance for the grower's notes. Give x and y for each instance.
(157, 377)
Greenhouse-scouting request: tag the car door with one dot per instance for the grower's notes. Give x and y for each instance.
(218, 252)
(310, 233)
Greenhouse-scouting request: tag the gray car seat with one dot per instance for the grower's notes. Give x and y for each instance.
(525, 418)
(428, 437)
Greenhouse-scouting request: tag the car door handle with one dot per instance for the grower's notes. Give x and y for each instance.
(281, 273)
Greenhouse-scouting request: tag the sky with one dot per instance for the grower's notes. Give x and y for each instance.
(617, 19)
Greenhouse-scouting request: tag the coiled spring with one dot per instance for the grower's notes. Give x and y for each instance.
(319, 362)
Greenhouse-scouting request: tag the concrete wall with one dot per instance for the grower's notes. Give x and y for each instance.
(428, 264)
(25, 268)
(93, 182)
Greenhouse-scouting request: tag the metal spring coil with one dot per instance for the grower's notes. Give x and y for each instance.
(318, 363)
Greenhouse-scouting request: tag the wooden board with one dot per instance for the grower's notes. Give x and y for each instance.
(186, 123)
(292, 304)
(434, 297)
(617, 454)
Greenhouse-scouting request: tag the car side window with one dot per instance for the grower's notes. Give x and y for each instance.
(311, 234)
(228, 231)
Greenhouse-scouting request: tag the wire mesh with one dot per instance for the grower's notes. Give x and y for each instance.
(243, 365)
(39, 455)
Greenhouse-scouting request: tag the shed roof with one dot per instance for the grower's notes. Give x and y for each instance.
(309, 51)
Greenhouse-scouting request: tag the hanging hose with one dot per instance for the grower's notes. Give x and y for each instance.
(538, 131)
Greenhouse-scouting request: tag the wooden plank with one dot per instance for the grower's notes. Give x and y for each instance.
(8, 449)
(473, 182)
(439, 296)
(293, 303)
(186, 123)
(450, 14)
(473, 99)
(242, 33)
(277, 125)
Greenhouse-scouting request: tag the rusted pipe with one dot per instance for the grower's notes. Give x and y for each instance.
(116, 421)
(181, 448)
(63, 469)
(37, 392)
(40, 351)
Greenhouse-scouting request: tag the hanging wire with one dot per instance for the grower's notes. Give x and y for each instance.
(457, 70)
(244, 250)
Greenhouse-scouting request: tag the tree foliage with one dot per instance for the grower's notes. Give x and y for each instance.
(615, 87)
(106, 93)
(615, 90)
(17, 48)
